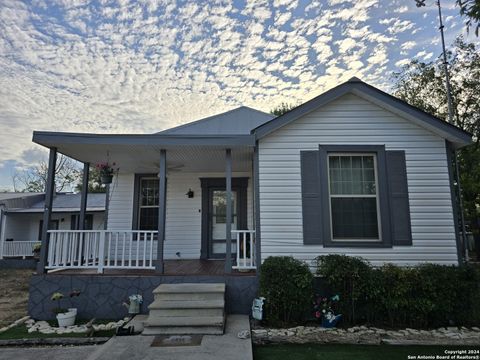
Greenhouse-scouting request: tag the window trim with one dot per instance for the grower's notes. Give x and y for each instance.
(363, 196)
(382, 193)
(136, 198)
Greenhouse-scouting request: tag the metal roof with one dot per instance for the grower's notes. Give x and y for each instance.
(66, 202)
(239, 121)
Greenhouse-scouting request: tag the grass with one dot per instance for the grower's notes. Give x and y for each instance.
(346, 352)
(21, 332)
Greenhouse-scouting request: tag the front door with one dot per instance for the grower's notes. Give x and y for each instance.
(214, 210)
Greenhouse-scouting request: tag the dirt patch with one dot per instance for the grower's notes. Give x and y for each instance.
(13, 294)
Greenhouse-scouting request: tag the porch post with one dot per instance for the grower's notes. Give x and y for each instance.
(256, 192)
(107, 205)
(3, 224)
(47, 214)
(162, 174)
(228, 190)
(84, 195)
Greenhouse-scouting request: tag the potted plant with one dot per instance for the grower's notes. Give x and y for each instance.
(36, 251)
(323, 308)
(65, 317)
(106, 172)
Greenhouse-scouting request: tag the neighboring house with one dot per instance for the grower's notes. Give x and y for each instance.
(353, 171)
(22, 219)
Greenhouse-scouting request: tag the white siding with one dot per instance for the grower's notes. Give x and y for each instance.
(25, 227)
(353, 120)
(183, 215)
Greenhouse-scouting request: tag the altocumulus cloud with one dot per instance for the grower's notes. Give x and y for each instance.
(145, 65)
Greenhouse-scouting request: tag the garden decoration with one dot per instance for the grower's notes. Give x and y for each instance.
(65, 317)
(323, 308)
(133, 304)
(257, 308)
(106, 172)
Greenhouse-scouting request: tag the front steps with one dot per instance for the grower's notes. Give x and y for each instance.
(187, 309)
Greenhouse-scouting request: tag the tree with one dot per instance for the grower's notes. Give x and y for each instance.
(470, 9)
(282, 109)
(423, 85)
(34, 179)
(94, 183)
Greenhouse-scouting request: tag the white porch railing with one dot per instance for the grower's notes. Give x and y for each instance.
(245, 245)
(18, 248)
(102, 249)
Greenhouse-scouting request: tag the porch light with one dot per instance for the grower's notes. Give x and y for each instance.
(189, 193)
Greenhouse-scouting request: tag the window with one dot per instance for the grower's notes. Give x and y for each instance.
(353, 197)
(53, 226)
(148, 203)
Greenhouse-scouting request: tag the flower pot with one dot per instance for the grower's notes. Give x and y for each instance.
(73, 310)
(106, 179)
(66, 319)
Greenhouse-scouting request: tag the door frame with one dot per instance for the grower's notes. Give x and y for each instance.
(240, 185)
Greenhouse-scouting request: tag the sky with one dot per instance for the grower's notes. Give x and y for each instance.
(141, 66)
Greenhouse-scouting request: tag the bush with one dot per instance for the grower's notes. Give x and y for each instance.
(349, 277)
(287, 285)
(423, 296)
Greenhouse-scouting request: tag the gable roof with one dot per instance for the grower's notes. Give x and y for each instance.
(355, 86)
(239, 121)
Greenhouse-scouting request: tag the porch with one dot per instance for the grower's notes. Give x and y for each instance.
(172, 198)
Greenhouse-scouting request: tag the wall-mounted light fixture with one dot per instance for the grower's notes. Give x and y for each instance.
(190, 193)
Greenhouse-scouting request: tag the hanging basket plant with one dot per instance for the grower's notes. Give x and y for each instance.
(106, 172)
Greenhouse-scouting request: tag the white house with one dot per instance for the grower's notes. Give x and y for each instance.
(353, 171)
(21, 219)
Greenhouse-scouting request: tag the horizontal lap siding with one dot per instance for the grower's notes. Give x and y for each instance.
(183, 215)
(352, 120)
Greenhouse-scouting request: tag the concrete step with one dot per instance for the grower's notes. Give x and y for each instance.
(186, 321)
(198, 296)
(187, 304)
(183, 330)
(190, 288)
(154, 313)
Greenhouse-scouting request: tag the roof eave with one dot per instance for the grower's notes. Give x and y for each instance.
(51, 139)
(450, 132)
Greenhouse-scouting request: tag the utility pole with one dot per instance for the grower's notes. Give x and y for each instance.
(421, 3)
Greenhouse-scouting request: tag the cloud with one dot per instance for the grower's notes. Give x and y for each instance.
(140, 66)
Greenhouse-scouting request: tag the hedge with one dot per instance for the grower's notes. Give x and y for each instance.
(423, 296)
(287, 285)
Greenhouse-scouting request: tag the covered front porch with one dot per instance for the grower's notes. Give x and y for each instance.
(181, 206)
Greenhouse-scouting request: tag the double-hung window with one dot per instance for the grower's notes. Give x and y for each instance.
(148, 203)
(353, 197)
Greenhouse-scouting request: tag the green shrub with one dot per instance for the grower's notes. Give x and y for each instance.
(424, 296)
(287, 285)
(350, 278)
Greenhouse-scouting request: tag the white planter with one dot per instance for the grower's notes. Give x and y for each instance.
(66, 319)
(73, 310)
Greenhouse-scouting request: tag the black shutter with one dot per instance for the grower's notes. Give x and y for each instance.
(311, 198)
(398, 198)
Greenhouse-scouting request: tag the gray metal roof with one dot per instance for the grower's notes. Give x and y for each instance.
(15, 195)
(65, 202)
(239, 121)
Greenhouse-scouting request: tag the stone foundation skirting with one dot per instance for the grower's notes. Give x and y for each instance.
(102, 296)
(18, 263)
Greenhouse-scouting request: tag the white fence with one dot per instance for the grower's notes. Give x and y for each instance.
(18, 248)
(101, 249)
(245, 249)
(105, 249)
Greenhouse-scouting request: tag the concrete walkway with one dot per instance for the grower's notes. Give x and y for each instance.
(225, 347)
(48, 353)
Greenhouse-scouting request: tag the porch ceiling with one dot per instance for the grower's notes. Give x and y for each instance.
(141, 153)
(145, 158)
